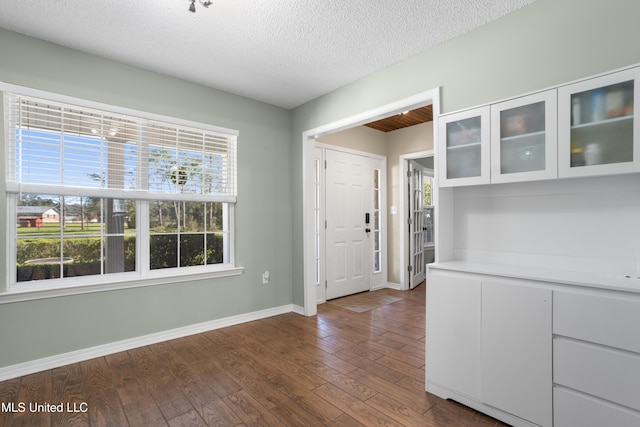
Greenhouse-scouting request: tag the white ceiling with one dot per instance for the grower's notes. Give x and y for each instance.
(283, 52)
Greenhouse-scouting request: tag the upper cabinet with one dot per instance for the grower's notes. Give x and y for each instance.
(524, 138)
(585, 128)
(597, 126)
(464, 148)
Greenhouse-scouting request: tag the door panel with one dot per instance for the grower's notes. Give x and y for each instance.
(416, 225)
(348, 188)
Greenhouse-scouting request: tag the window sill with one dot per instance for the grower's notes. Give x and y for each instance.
(36, 292)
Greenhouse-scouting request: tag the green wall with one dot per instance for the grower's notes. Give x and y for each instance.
(547, 43)
(35, 329)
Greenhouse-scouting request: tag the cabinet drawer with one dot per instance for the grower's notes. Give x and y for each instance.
(599, 371)
(610, 321)
(572, 409)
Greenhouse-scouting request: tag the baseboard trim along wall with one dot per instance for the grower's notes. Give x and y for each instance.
(38, 365)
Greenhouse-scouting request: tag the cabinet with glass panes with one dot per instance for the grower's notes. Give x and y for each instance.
(596, 126)
(524, 138)
(464, 148)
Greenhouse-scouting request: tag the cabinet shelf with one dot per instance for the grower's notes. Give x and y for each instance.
(524, 136)
(607, 122)
(469, 146)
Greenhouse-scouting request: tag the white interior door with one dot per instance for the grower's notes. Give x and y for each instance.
(348, 200)
(416, 225)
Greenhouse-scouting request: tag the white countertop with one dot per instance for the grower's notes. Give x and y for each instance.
(574, 278)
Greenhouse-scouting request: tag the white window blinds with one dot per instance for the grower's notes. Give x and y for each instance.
(71, 150)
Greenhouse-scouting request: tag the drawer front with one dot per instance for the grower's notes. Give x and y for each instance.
(610, 321)
(572, 409)
(599, 371)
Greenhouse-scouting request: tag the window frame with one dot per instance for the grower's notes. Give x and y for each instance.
(143, 275)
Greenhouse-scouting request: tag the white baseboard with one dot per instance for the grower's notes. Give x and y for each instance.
(63, 359)
(396, 286)
(297, 309)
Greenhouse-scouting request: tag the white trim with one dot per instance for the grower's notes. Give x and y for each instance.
(308, 144)
(33, 291)
(396, 286)
(297, 309)
(38, 365)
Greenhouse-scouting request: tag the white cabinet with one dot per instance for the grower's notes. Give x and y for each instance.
(596, 359)
(576, 409)
(489, 345)
(516, 355)
(463, 147)
(524, 138)
(597, 126)
(585, 128)
(453, 334)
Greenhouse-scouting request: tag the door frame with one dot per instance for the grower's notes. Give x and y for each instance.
(404, 209)
(308, 147)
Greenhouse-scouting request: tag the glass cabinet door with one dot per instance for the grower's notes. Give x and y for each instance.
(596, 126)
(524, 138)
(464, 148)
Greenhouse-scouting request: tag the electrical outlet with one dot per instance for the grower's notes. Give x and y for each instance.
(265, 277)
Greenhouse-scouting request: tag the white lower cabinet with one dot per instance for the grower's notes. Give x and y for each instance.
(598, 371)
(596, 359)
(573, 409)
(453, 334)
(516, 350)
(533, 352)
(489, 346)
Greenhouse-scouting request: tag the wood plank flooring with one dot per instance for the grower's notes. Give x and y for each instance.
(338, 368)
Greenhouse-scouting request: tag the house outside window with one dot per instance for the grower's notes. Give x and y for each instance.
(99, 195)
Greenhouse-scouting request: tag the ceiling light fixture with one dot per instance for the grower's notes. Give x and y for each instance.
(192, 6)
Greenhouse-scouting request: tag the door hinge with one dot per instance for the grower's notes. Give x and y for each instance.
(325, 284)
(325, 224)
(325, 164)
(409, 221)
(409, 268)
(409, 174)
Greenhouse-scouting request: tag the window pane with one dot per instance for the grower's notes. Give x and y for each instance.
(82, 256)
(192, 216)
(179, 231)
(163, 251)
(163, 216)
(191, 250)
(38, 246)
(66, 236)
(215, 251)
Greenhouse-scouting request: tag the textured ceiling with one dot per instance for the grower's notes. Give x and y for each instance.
(283, 52)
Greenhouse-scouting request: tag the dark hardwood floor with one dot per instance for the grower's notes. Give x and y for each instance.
(339, 368)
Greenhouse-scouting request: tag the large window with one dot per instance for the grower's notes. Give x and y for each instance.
(99, 195)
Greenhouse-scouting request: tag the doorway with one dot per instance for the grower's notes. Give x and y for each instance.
(420, 224)
(310, 212)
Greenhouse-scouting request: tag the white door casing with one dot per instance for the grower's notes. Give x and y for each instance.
(348, 199)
